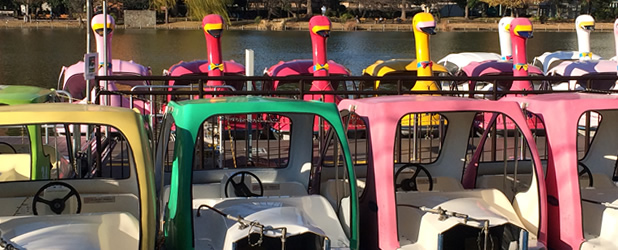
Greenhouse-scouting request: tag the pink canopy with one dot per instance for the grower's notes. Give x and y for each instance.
(495, 68)
(301, 67)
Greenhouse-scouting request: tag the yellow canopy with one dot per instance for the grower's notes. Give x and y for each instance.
(381, 68)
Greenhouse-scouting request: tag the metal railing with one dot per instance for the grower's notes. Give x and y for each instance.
(159, 93)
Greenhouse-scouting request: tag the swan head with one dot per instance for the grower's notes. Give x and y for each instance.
(213, 25)
(585, 23)
(98, 24)
(521, 27)
(425, 23)
(320, 25)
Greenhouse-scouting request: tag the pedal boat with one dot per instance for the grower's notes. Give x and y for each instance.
(255, 193)
(581, 168)
(72, 77)
(447, 192)
(44, 208)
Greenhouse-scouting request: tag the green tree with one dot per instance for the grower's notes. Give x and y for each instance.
(163, 4)
(198, 9)
(512, 4)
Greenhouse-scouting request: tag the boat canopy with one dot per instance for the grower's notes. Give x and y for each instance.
(75, 83)
(18, 94)
(201, 67)
(455, 62)
(578, 68)
(382, 68)
(548, 60)
(495, 68)
(304, 67)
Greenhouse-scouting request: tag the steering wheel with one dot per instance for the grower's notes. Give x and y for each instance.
(585, 170)
(56, 205)
(10, 146)
(409, 184)
(240, 188)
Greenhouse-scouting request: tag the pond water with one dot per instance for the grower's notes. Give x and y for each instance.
(36, 56)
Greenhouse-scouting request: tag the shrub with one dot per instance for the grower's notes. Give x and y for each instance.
(345, 17)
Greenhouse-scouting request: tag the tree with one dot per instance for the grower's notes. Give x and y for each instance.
(27, 4)
(198, 9)
(163, 4)
(512, 4)
(309, 9)
(467, 5)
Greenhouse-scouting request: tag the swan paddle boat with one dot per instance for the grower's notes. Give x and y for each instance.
(212, 26)
(423, 25)
(448, 192)
(587, 67)
(319, 66)
(72, 77)
(455, 62)
(516, 64)
(255, 194)
(582, 195)
(584, 24)
(57, 197)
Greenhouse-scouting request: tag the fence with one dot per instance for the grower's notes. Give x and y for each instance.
(415, 143)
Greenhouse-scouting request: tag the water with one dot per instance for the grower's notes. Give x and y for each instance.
(36, 56)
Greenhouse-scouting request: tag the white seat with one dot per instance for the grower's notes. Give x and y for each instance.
(15, 167)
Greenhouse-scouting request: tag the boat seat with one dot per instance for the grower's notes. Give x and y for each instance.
(505, 185)
(330, 188)
(600, 181)
(595, 215)
(270, 188)
(114, 230)
(15, 167)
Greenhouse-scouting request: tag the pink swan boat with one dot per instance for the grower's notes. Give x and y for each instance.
(215, 66)
(319, 28)
(73, 76)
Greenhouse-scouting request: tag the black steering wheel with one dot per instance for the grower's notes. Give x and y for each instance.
(240, 188)
(56, 205)
(585, 170)
(409, 184)
(10, 146)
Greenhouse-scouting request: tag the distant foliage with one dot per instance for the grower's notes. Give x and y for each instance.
(157, 4)
(509, 3)
(345, 17)
(198, 9)
(136, 4)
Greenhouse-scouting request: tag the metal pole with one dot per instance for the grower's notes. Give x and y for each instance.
(88, 41)
(105, 59)
(249, 63)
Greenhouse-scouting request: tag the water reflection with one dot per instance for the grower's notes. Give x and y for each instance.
(35, 56)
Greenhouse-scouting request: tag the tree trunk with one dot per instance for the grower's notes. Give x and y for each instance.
(403, 9)
(309, 9)
(467, 12)
(167, 17)
(27, 15)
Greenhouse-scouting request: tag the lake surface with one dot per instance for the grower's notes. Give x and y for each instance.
(36, 56)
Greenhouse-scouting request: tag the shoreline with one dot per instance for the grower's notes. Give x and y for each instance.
(456, 25)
